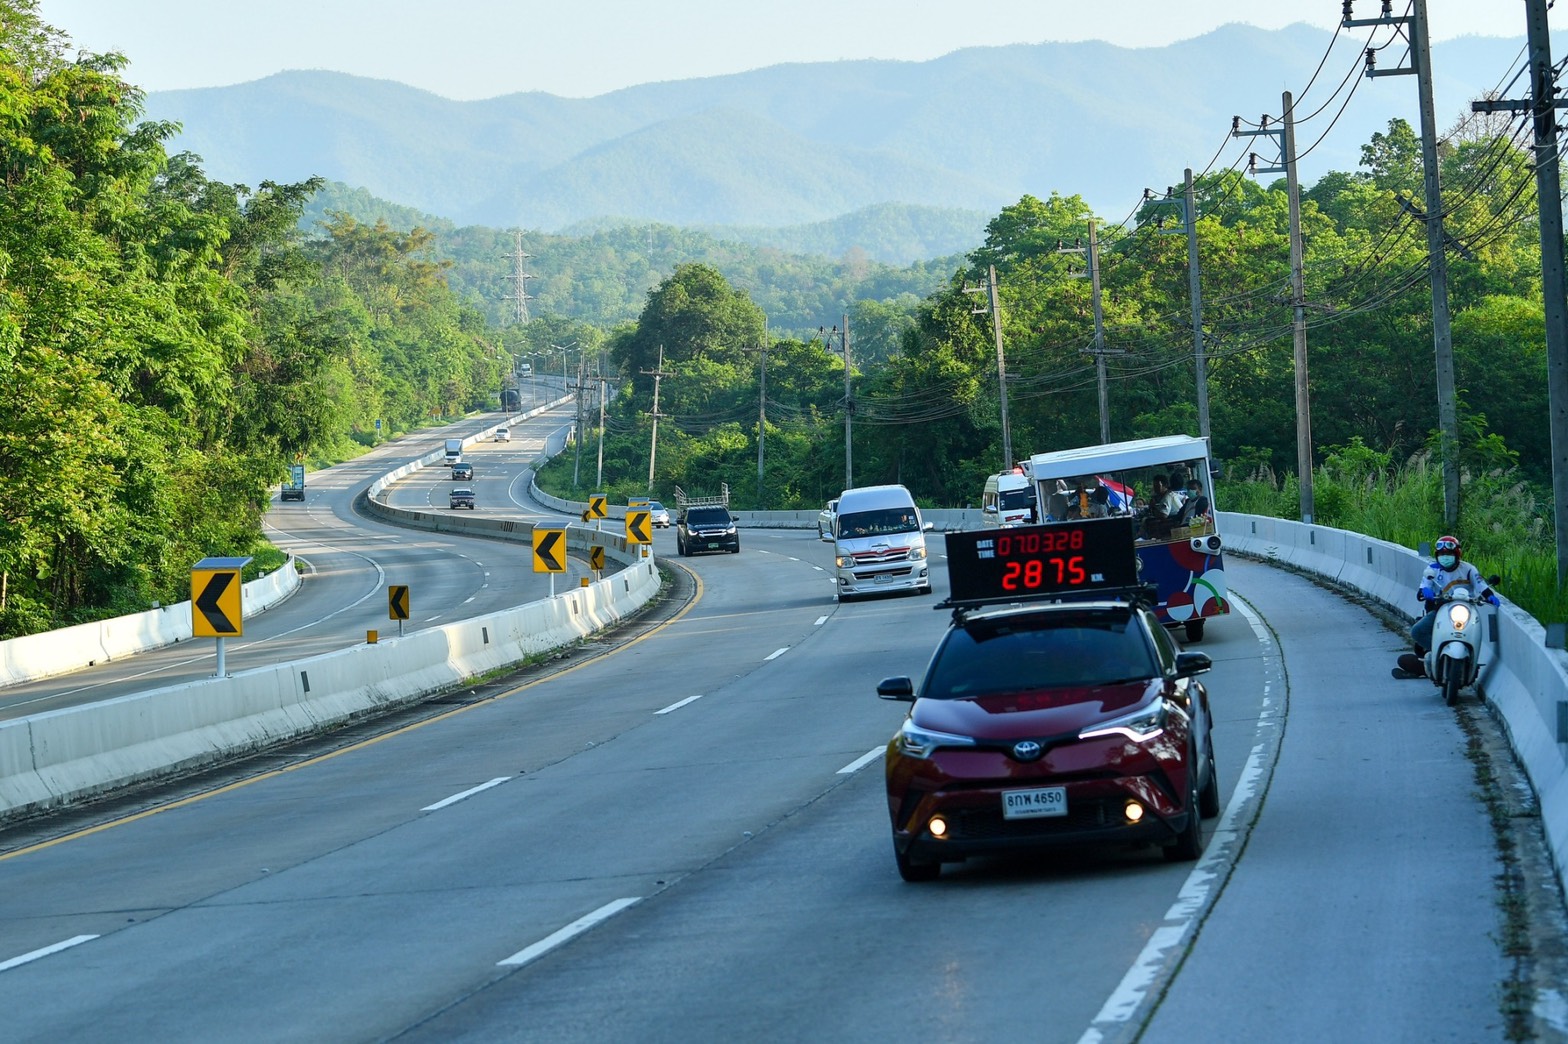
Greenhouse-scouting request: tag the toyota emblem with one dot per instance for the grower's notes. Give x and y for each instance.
(1027, 750)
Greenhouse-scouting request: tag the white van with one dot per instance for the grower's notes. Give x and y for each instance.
(1009, 500)
(879, 542)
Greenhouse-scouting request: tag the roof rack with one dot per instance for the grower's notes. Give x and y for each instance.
(682, 501)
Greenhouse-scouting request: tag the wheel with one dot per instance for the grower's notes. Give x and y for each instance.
(1189, 843)
(680, 546)
(1209, 797)
(1452, 681)
(915, 872)
(1194, 629)
(736, 549)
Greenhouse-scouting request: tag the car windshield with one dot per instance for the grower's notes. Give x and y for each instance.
(707, 517)
(879, 522)
(654, 505)
(990, 657)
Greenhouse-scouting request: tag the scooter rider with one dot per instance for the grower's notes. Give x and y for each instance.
(1448, 571)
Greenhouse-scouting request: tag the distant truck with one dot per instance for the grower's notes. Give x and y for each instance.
(454, 451)
(511, 402)
(294, 488)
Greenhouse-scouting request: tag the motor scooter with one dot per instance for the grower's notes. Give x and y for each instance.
(1454, 660)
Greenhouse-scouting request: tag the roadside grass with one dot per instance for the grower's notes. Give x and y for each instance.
(1505, 523)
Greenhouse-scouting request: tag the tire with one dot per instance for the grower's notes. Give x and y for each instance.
(1452, 682)
(1194, 629)
(915, 872)
(1209, 797)
(1189, 843)
(680, 546)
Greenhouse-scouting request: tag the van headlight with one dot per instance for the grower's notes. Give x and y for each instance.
(917, 554)
(843, 561)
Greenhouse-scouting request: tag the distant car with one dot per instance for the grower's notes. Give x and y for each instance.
(706, 529)
(503, 434)
(825, 519)
(463, 497)
(462, 471)
(658, 514)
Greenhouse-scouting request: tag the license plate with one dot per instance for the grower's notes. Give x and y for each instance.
(1034, 804)
(882, 578)
(712, 544)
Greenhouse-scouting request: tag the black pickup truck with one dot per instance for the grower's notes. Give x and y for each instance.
(461, 498)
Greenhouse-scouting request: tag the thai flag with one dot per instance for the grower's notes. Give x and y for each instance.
(1120, 495)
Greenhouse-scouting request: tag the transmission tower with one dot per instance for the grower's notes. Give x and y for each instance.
(519, 279)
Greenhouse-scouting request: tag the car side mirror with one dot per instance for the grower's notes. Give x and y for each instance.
(928, 527)
(1191, 663)
(901, 689)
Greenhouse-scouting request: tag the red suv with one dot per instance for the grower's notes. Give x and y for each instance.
(1048, 724)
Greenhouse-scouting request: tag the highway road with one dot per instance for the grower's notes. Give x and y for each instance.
(350, 560)
(686, 838)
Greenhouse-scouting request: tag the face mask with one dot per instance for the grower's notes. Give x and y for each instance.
(1447, 561)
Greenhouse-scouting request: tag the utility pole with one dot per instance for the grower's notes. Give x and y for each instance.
(1200, 365)
(598, 481)
(578, 389)
(519, 295)
(653, 444)
(1442, 331)
(849, 398)
(1285, 138)
(1542, 107)
(762, 408)
(1001, 361)
(1099, 351)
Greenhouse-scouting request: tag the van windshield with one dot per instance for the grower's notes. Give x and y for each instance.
(876, 523)
(1016, 499)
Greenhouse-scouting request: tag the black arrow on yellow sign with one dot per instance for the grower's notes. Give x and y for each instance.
(596, 558)
(549, 550)
(637, 530)
(397, 602)
(217, 604)
(596, 507)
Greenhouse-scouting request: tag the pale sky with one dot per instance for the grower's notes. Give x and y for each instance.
(469, 49)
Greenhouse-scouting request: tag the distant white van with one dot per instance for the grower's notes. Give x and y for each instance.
(1008, 500)
(879, 543)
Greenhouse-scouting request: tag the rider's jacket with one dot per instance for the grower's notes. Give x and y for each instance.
(1437, 582)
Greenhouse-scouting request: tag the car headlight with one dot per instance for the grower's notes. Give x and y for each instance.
(843, 561)
(917, 554)
(1140, 726)
(1458, 615)
(921, 743)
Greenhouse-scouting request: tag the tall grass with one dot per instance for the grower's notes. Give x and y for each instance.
(1505, 524)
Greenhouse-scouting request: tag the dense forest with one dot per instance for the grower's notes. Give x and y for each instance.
(172, 343)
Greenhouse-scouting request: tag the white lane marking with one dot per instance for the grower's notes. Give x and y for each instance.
(470, 792)
(792, 558)
(46, 951)
(820, 621)
(679, 704)
(577, 927)
(819, 569)
(1210, 872)
(860, 762)
(775, 654)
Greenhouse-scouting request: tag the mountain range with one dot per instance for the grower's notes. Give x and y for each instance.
(804, 144)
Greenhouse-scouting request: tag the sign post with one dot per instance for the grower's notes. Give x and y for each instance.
(397, 605)
(217, 609)
(549, 553)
